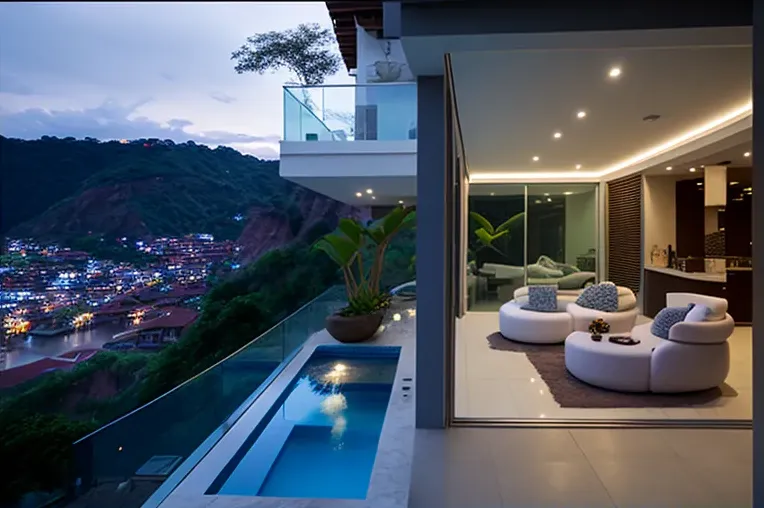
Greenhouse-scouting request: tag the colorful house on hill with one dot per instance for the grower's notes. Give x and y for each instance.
(166, 328)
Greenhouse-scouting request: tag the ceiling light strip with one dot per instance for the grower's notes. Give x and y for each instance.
(692, 135)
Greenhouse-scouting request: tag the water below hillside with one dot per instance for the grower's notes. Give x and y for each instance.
(33, 348)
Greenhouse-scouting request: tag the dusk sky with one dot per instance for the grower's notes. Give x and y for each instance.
(130, 70)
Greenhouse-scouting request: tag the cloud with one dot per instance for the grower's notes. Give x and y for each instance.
(222, 97)
(12, 85)
(112, 120)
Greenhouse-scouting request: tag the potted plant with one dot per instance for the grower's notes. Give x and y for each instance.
(350, 246)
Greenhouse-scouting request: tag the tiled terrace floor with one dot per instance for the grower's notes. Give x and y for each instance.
(555, 468)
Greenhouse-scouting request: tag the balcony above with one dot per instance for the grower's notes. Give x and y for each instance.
(340, 140)
(362, 112)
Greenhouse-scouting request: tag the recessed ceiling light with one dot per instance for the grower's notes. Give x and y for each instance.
(614, 72)
(557, 135)
(700, 183)
(747, 154)
(535, 158)
(567, 193)
(493, 194)
(692, 170)
(369, 191)
(549, 200)
(400, 201)
(581, 114)
(578, 166)
(546, 194)
(538, 201)
(374, 197)
(734, 183)
(358, 194)
(669, 168)
(702, 166)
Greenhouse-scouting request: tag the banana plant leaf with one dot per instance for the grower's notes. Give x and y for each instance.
(511, 223)
(487, 238)
(482, 222)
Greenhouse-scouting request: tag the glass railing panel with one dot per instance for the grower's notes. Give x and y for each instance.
(384, 112)
(146, 446)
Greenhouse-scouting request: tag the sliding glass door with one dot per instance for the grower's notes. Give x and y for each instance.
(520, 234)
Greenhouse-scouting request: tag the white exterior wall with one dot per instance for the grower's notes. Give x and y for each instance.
(370, 50)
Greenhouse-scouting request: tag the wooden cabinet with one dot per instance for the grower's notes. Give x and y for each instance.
(739, 295)
(738, 291)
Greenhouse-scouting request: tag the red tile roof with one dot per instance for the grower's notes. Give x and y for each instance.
(171, 317)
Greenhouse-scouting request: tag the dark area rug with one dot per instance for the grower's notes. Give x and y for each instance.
(549, 361)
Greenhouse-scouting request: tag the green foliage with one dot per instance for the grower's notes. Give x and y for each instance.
(111, 190)
(487, 234)
(238, 310)
(37, 451)
(307, 51)
(347, 247)
(58, 407)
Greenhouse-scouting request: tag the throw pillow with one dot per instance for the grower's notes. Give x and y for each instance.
(602, 297)
(542, 298)
(667, 318)
(697, 314)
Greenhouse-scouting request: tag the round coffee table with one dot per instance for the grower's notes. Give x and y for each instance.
(607, 365)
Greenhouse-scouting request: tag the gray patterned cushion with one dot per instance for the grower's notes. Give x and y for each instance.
(542, 298)
(602, 297)
(667, 318)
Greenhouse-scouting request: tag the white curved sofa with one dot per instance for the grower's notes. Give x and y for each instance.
(534, 327)
(694, 357)
(621, 321)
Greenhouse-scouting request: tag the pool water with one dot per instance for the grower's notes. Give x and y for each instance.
(320, 438)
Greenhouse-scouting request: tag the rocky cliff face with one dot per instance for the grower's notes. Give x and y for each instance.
(268, 229)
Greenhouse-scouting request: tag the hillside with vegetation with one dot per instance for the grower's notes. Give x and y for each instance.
(66, 189)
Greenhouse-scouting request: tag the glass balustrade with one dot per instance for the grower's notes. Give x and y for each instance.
(361, 112)
(127, 462)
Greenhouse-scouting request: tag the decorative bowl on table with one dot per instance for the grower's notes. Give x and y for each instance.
(597, 328)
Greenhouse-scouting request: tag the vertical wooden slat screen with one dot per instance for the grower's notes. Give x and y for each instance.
(624, 227)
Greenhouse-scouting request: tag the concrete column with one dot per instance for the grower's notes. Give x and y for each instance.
(758, 257)
(431, 264)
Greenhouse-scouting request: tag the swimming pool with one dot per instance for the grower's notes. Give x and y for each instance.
(320, 438)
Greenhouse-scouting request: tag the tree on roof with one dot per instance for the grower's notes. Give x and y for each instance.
(307, 51)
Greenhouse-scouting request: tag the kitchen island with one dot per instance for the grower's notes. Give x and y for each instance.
(735, 285)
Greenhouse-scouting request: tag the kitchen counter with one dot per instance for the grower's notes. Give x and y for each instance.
(735, 286)
(699, 276)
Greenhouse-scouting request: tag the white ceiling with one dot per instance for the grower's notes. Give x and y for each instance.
(733, 156)
(511, 102)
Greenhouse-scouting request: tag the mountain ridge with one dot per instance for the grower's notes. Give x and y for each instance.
(63, 189)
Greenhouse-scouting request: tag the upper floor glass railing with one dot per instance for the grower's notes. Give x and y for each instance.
(137, 460)
(380, 111)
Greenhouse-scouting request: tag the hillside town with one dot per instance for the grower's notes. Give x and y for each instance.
(49, 292)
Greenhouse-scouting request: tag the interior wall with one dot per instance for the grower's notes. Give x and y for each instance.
(580, 225)
(659, 195)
